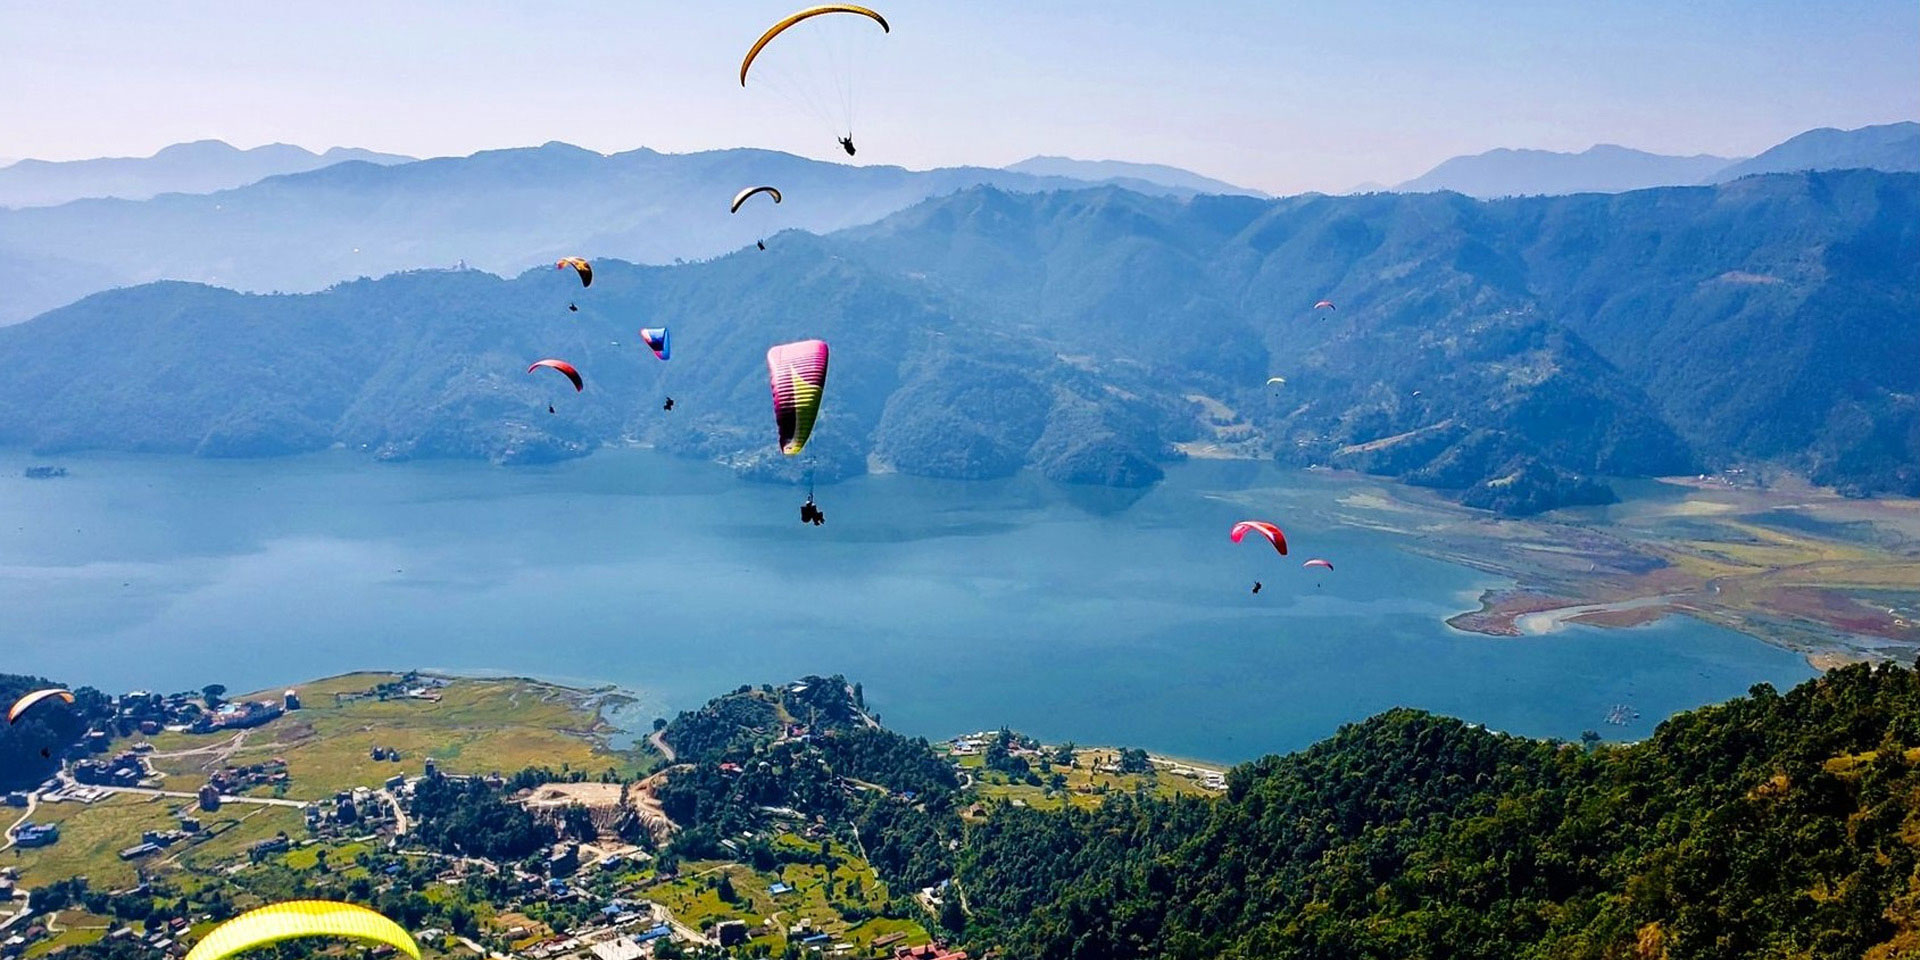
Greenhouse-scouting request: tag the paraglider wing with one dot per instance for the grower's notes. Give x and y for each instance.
(301, 918)
(22, 705)
(798, 372)
(563, 367)
(1325, 303)
(657, 341)
(1270, 532)
(810, 12)
(1316, 562)
(581, 267)
(1282, 381)
(741, 197)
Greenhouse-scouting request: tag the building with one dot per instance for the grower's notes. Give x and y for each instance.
(291, 701)
(36, 834)
(268, 847)
(622, 949)
(730, 933)
(139, 850)
(209, 797)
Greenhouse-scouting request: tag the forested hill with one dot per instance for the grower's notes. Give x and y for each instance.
(1772, 826)
(1514, 351)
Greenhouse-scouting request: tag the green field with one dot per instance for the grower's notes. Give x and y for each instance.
(477, 726)
(1085, 786)
(695, 902)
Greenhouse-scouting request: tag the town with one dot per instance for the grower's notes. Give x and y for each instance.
(763, 825)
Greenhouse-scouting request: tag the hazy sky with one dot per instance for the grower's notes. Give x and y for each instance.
(1279, 95)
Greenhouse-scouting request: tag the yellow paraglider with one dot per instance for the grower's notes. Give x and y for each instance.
(301, 918)
(21, 706)
(807, 14)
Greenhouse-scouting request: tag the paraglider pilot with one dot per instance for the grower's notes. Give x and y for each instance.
(1256, 586)
(668, 405)
(846, 143)
(812, 514)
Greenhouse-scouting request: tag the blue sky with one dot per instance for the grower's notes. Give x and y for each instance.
(1285, 96)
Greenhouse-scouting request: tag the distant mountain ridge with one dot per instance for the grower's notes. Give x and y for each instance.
(498, 210)
(202, 166)
(1512, 352)
(1606, 168)
(1891, 146)
(1122, 172)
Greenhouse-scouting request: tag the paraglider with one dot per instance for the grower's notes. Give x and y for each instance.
(668, 406)
(295, 919)
(563, 367)
(1325, 303)
(656, 340)
(1317, 562)
(829, 97)
(581, 267)
(1256, 586)
(572, 309)
(22, 705)
(798, 374)
(1276, 381)
(741, 197)
(1266, 530)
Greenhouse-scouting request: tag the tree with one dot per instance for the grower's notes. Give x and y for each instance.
(215, 694)
(952, 918)
(725, 889)
(659, 724)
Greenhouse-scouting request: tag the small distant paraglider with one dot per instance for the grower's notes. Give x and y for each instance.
(1317, 562)
(742, 197)
(657, 340)
(1267, 531)
(565, 369)
(1276, 381)
(1325, 304)
(22, 705)
(581, 267)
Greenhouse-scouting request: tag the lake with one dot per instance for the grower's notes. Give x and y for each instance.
(1095, 615)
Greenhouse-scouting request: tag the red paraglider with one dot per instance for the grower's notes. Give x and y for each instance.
(1261, 527)
(563, 367)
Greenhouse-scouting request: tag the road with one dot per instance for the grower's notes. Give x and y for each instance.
(33, 803)
(400, 824)
(68, 782)
(659, 741)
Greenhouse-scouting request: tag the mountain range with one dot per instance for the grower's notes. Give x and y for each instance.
(500, 210)
(198, 167)
(1119, 171)
(1515, 352)
(1607, 168)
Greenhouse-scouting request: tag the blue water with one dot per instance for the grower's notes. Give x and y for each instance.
(1087, 614)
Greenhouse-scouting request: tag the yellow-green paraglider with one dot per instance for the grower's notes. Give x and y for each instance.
(301, 918)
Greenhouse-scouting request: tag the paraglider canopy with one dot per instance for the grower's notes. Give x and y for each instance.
(1280, 381)
(301, 918)
(581, 267)
(1317, 562)
(1266, 530)
(798, 373)
(1328, 304)
(563, 367)
(22, 705)
(809, 13)
(657, 341)
(741, 197)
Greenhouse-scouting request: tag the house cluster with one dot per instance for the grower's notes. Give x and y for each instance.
(627, 931)
(30, 834)
(125, 769)
(235, 780)
(351, 812)
(154, 841)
